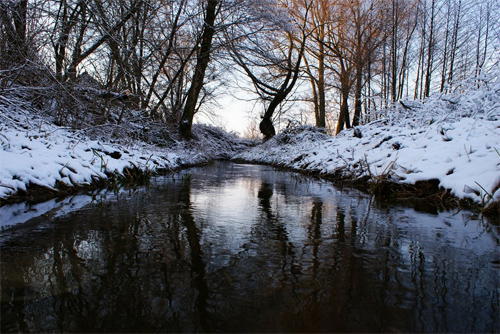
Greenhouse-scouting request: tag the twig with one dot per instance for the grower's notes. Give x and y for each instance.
(468, 157)
(405, 106)
(368, 167)
(6, 186)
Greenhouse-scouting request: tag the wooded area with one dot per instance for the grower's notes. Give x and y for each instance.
(96, 61)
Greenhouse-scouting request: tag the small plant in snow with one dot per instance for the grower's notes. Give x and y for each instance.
(6, 142)
(104, 163)
(486, 197)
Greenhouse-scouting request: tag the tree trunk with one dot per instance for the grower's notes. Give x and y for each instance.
(20, 21)
(203, 59)
(404, 65)
(266, 126)
(430, 54)
(344, 111)
(454, 43)
(321, 117)
(357, 95)
(13, 26)
(394, 49)
(314, 90)
(445, 51)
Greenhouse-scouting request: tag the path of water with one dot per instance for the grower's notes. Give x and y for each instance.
(233, 247)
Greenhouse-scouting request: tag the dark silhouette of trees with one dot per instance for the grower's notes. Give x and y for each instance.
(165, 58)
(315, 68)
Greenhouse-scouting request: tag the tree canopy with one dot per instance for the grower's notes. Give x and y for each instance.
(170, 59)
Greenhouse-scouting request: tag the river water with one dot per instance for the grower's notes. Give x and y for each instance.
(246, 248)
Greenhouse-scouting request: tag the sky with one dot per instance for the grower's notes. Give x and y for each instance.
(233, 113)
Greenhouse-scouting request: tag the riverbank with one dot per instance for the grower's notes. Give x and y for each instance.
(445, 150)
(398, 164)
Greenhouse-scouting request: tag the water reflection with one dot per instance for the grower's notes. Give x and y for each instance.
(235, 248)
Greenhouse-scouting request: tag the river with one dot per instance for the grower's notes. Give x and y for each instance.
(246, 248)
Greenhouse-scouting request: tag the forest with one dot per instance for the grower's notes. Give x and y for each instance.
(95, 62)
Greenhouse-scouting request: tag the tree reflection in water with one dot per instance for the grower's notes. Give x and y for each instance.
(246, 248)
(197, 265)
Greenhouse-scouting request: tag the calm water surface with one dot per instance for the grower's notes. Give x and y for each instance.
(245, 248)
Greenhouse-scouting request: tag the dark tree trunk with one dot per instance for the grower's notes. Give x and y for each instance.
(315, 97)
(357, 96)
(202, 61)
(394, 49)
(430, 54)
(445, 51)
(13, 20)
(266, 126)
(454, 43)
(321, 116)
(344, 112)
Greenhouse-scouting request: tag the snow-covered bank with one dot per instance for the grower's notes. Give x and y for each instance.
(36, 152)
(453, 138)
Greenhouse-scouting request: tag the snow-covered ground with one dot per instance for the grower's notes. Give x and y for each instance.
(35, 151)
(453, 138)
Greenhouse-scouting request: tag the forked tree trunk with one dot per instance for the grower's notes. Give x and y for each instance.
(344, 112)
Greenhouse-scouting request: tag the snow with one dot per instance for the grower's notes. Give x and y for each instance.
(454, 138)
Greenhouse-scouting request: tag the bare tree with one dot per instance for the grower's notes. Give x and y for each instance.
(430, 50)
(366, 16)
(483, 36)
(338, 45)
(167, 56)
(315, 50)
(107, 33)
(454, 41)
(202, 60)
(272, 58)
(164, 52)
